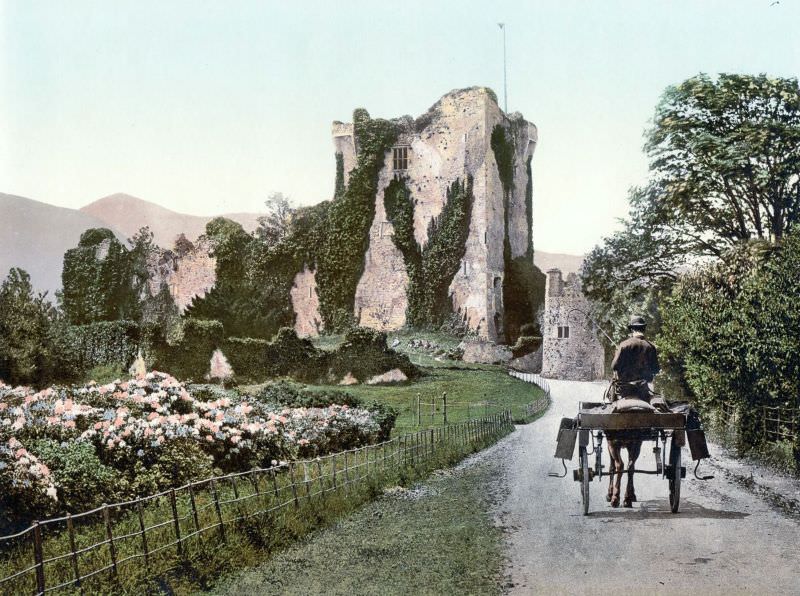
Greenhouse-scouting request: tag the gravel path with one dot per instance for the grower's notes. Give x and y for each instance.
(725, 540)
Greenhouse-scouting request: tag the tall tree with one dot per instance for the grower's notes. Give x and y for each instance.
(275, 225)
(725, 168)
(25, 319)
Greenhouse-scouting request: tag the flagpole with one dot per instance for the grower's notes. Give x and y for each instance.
(505, 78)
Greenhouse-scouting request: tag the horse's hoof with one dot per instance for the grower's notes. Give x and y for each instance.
(633, 498)
(627, 503)
(614, 501)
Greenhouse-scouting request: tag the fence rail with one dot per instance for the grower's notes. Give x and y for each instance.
(778, 423)
(440, 409)
(67, 551)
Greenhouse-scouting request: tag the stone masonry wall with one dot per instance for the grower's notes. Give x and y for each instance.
(451, 141)
(579, 357)
(188, 276)
(305, 302)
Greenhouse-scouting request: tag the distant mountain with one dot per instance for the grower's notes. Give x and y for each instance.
(34, 236)
(550, 260)
(128, 214)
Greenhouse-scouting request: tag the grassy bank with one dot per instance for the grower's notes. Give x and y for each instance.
(437, 538)
(259, 516)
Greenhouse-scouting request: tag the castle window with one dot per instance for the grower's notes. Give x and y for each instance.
(563, 332)
(400, 158)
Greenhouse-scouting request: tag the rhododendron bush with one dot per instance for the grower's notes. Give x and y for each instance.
(145, 434)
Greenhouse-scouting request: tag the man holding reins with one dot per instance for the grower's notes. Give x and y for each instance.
(635, 363)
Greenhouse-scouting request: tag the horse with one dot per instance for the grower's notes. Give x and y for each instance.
(617, 441)
(621, 439)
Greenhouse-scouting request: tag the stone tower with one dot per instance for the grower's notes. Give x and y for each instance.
(571, 349)
(452, 141)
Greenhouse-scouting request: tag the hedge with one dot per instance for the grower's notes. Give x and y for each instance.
(102, 343)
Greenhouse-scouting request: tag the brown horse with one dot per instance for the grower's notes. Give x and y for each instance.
(617, 441)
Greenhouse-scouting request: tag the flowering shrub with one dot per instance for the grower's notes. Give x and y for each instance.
(149, 433)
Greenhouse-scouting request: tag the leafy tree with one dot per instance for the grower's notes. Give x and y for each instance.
(275, 225)
(25, 319)
(183, 245)
(725, 168)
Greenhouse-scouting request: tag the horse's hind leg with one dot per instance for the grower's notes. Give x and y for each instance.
(614, 474)
(633, 454)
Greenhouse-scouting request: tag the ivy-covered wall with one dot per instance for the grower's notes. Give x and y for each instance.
(432, 267)
(340, 257)
(523, 283)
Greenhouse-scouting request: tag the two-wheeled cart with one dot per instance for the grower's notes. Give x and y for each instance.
(595, 420)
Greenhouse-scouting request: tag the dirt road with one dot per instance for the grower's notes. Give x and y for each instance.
(725, 540)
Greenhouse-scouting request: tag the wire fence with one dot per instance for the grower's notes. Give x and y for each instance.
(777, 423)
(433, 410)
(780, 423)
(71, 551)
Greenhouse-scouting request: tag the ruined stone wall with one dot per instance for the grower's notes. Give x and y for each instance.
(305, 303)
(187, 276)
(381, 300)
(344, 142)
(579, 357)
(452, 141)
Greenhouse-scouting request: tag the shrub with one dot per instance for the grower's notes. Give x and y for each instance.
(364, 353)
(386, 416)
(81, 479)
(105, 343)
(189, 355)
(294, 396)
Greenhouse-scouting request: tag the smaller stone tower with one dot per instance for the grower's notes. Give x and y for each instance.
(571, 349)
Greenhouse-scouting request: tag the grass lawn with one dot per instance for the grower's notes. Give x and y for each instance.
(437, 538)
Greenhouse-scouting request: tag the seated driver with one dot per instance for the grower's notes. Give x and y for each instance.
(635, 362)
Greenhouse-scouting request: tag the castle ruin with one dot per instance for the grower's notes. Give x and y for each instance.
(571, 349)
(451, 142)
(454, 142)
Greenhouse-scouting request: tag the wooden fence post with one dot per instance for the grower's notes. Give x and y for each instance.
(346, 474)
(294, 486)
(432, 444)
(333, 458)
(218, 510)
(306, 481)
(38, 558)
(274, 478)
(419, 409)
(145, 550)
(110, 537)
(175, 521)
(444, 406)
(194, 508)
(321, 482)
(71, 530)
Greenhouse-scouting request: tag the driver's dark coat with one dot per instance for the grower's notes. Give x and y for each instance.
(635, 359)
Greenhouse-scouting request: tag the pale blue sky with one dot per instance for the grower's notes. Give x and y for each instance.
(207, 107)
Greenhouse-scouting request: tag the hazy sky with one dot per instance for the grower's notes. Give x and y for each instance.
(207, 107)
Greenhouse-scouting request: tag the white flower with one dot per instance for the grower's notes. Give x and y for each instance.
(51, 492)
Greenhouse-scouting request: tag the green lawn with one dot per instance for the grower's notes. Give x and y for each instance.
(437, 538)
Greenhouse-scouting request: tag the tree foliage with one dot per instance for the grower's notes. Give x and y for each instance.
(25, 321)
(732, 328)
(275, 225)
(725, 168)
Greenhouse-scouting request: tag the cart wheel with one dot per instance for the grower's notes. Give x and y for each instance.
(675, 475)
(584, 463)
